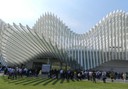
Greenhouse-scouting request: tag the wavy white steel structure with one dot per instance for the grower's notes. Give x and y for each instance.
(50, 37)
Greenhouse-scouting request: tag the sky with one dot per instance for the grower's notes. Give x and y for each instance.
(79, 15)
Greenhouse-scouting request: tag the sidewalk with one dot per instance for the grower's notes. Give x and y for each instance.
(118, 80)
(1, 74)
(109, 80)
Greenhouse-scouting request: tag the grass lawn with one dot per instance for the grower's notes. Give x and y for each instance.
(39, 83)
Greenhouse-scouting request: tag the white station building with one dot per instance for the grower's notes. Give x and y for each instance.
(105, 45)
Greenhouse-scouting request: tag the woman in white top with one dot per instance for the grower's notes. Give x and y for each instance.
(124, 76)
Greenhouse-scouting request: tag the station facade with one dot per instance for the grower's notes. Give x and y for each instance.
(50, 39)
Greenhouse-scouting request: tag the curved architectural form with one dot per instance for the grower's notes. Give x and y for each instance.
(51, 38)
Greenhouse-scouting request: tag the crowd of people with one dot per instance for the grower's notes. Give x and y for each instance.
(17, 72)
(88, 74)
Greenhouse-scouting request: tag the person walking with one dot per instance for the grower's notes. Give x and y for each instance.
(104, 77)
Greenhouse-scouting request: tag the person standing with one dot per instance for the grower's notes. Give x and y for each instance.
(124, 76)
(94, 76)
(112, 76)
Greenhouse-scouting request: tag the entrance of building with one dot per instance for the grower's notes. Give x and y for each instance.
(37, 65)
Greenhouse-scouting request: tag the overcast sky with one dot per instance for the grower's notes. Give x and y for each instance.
(78, 15)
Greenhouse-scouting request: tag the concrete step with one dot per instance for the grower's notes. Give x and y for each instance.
(114, 65)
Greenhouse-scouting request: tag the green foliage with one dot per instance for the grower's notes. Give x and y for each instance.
(43, 83)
